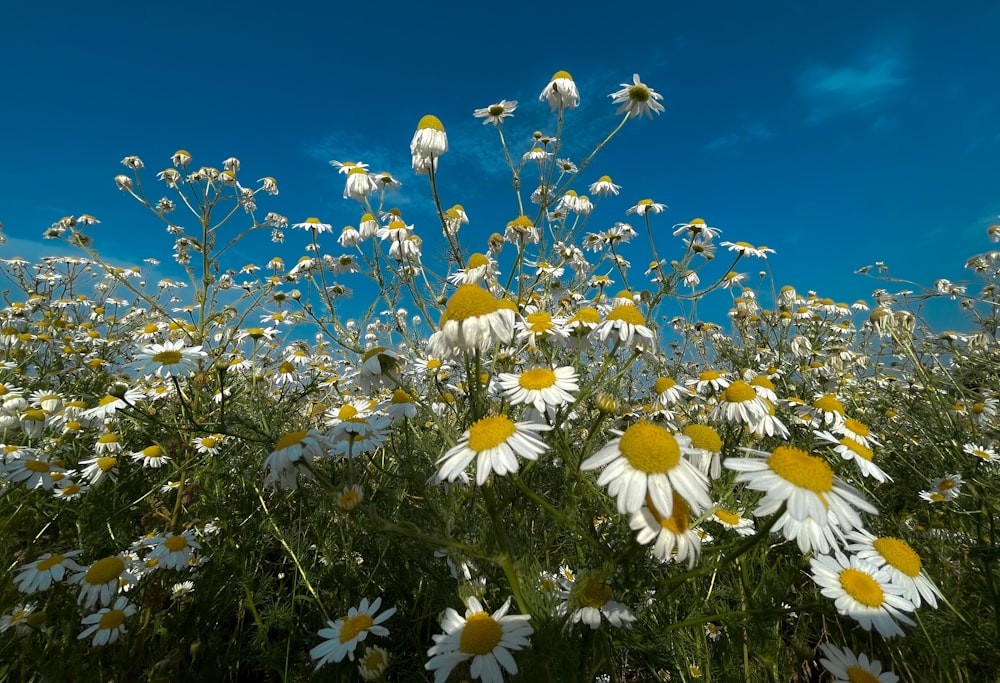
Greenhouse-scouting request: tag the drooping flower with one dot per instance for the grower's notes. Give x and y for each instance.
(429, 142)
(561, 92)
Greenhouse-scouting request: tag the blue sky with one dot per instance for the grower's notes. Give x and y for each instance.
(836, 133)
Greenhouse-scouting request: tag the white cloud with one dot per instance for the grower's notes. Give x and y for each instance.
(863, 86)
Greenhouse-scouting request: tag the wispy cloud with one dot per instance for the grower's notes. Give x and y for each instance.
(832, 90)
(750, 133)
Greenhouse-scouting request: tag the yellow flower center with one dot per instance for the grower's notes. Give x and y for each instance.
(946, 484)
(152, 451)
(167, 357)
(481, 634)
(804, 470)
(70, 490)
(469, 301)
(400, 396)
(738, 392)
(857, 448)
(650, 448)
(538, 378)
(112, 619)
(664, 383)
(680, 515)
(862, 587)
(208, 442)
(49, 562)
(596, 595)
(604, 179)
(490, 432)
(829, 404)
(33, 415)
(638, 93)
(347, 412)
(855, 674)
(105, 571)
(478, 261)
(539, 322)
(432, 122)
(290, 439)
(495, 109)
(628, 314)
(704, 437)
(351, 627)
(586, 315)
(730, 518)
(762, 381)
(561, 74)
(709, 375)
(107, 438)
(857, 427)
(899, 554)
(107, 464)
(175, 544)
(36, 466)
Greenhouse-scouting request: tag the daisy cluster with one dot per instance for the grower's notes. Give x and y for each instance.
(523, 423)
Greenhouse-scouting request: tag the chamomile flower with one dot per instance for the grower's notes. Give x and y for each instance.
(48, 569)
(646, 460)
(313, 224)
(342, 636)
(900, 560)
(107, 624)
(496, 113)
(208, 445)
(669, 392)
(373, 664)
(173, 551)
(486, 639)
(948, 486)
(646, 206)
(626, 325)
(293, 453)
(862, 592)
(473, 319)
(676, 540)
(23, 618)
(851, 668)
(985, 453)
(706, 449)
(739, 404)
(561, 92)
(819, 505)
(588, 599)
(541, 387)
(151, 456)
(429, 142)
(101, 581)
(637, 99)
(171, 358)
(604, 187)
(350, 498)
(861, 454)
(709, 380)
(734, 521)
(34, 470)
(494, 443)
(100, 468)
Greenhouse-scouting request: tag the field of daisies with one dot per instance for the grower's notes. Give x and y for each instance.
(422, 454)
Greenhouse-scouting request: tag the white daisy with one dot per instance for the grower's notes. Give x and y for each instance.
(604, 187)
(900, 560)
(561, 92)
(171, 358)
(496, 113)
(473, 319)
(626, 325)
(107, 624)
(101, 581)
(850, 449)
(173, 551)
(851, 668)
(46, 570)
(590, 598)
(486, 639)
(292, 454)
(429, 142)
(647, 461)
(734, 521)
(151, 456)
(863, 592)
(739, 404)
(493, 442)
(676, 540)
(343, 635)
(637, 99)
(819, 505)
(541, 387)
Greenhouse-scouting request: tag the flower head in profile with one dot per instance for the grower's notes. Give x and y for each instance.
(496, 113)
(342, 636)
(486, 639)
(561, 92)
(588, 598)
(473, 319)
(314, 224)
(429, 142)
(493, 442)
(637, 99)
